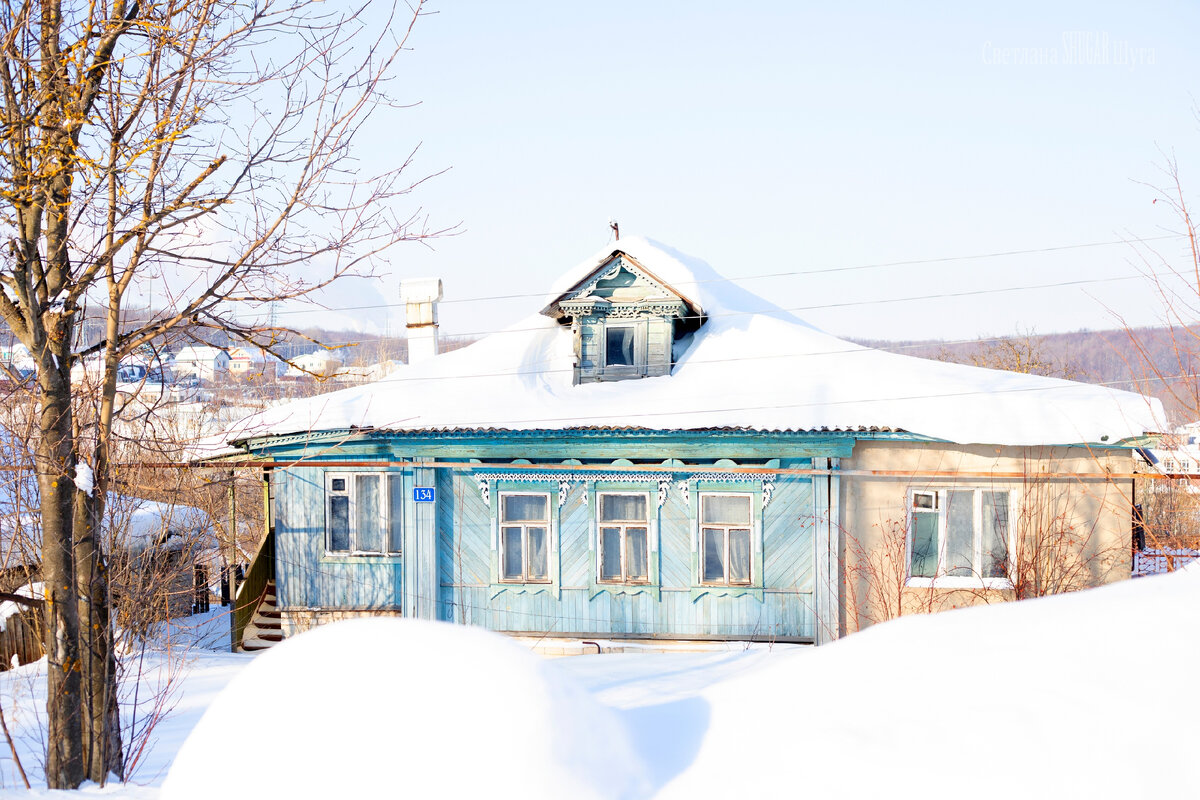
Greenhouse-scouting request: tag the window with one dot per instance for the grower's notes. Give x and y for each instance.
(524, 538)
(624, 533)
(959, 533)
(619, 346)
(364, 513)
(725, 539)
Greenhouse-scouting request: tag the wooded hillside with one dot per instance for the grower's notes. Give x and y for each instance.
(1143, 360)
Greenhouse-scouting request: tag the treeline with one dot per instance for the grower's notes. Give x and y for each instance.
(1163, 362)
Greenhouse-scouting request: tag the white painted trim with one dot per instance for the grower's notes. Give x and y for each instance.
(958, 582)
(651, 533)
(941, 510)
(351, 493)
(551, 546)
(755, 527)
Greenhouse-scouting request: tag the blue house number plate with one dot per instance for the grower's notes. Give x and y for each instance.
(423, 494)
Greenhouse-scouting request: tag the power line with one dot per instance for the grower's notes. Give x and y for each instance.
(794, 273)
(814, 307)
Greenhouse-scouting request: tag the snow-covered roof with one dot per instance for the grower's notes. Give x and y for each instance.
(199, 353)
(752, 365)
(136, 524)
(255, 355)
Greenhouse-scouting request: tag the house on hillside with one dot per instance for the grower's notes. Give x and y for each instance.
(253, 362)
(205, 362)
(319, 363)
(659, 454)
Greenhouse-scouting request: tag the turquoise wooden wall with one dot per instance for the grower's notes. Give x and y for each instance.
(305, 577)
(447, 569)
(468, 596)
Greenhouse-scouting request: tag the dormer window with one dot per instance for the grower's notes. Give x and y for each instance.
(625, 321)
(618, 347)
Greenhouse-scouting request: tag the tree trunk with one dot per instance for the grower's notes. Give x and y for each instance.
(56, 470)
(100, 721)
(101, 715)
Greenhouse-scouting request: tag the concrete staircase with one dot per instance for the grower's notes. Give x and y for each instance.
(266, 628)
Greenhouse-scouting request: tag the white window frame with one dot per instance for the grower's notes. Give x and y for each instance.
(942, 580)
(624, 580)
(749, 526)
(501, 524)
(385, 512)
(638, 367)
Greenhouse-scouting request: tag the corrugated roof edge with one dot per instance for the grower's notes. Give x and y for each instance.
(596, 430)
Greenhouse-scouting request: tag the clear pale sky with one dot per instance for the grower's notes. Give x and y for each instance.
(791, 137)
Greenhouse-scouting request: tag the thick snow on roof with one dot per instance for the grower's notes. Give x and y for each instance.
(752, 365)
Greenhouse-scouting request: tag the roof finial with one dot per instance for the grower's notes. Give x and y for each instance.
(616, 229)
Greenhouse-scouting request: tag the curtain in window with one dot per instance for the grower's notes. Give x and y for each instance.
(525, 508)
(513, 560)
(994, 540)
(636, 557)
(619, 347)
(622, 507)
(713, 568)
(539, 556)
(368, 519)
(610, 554)
(960, 533)
(725, 509)
(739, 556)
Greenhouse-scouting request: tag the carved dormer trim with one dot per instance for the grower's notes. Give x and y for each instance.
(625, 321)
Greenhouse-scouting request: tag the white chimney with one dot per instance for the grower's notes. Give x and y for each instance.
(420, 297)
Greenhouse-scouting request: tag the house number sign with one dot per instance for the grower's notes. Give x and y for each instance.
(423, 494)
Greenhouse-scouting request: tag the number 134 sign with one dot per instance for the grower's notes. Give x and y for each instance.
(423, 494)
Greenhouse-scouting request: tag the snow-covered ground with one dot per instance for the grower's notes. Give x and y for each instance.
(1085, 695)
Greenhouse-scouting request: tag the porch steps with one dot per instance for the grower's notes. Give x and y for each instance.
(266, 627)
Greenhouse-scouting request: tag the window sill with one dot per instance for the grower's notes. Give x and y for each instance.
(361, 558)
(955, 582)
(522, 588)
(727, 591)
(652, 589)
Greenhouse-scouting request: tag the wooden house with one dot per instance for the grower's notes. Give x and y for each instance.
(659, 454)
(254, 362)
(205, 362)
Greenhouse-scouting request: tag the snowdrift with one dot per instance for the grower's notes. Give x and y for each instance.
(388, 708)
(1081, 695)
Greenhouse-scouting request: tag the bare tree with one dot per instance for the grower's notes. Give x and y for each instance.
(1025, 352)
(1169, 505)
(200, 144)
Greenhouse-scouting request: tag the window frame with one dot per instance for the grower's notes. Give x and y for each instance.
(386, 513)
(549, 527)
(753, 543)
(940, 579)
(638, 367)
(601, 524)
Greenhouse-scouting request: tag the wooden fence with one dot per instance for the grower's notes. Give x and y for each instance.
(22, 638)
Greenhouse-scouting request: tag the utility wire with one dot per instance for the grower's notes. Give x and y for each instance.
(791, 309)
(794, 273)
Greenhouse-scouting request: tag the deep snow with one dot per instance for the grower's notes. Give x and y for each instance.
(1082, 695)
